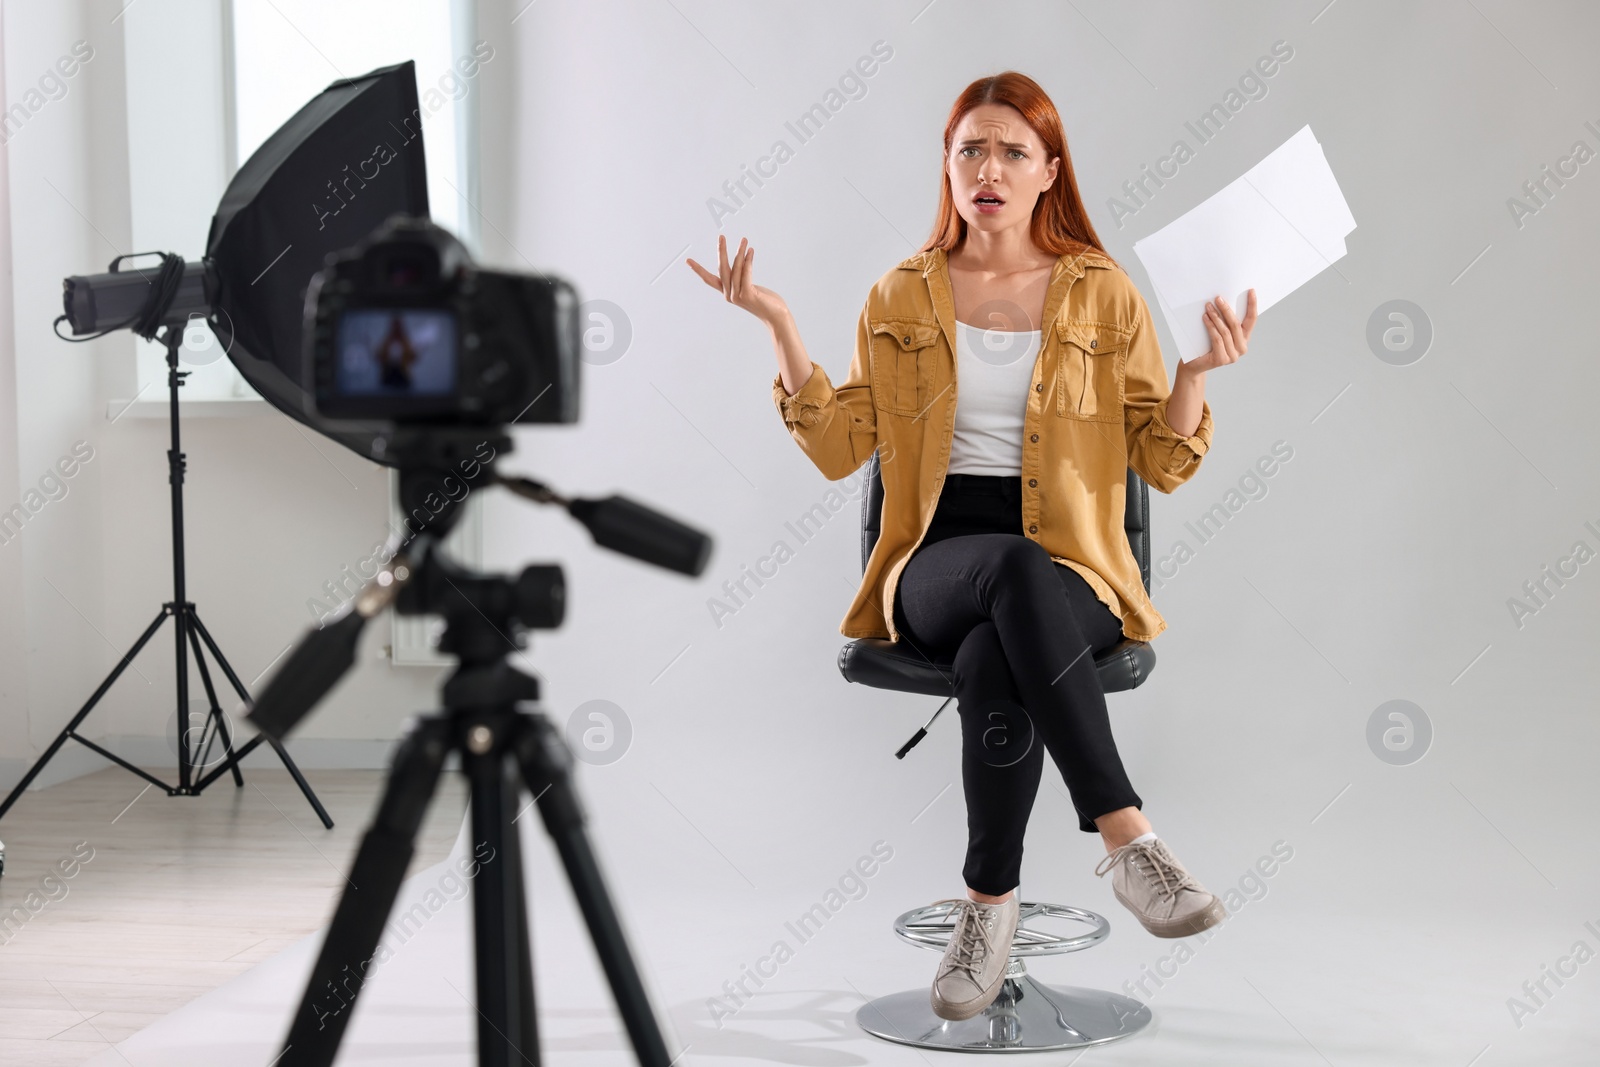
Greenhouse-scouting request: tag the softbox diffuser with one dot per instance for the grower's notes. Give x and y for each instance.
(345, 162)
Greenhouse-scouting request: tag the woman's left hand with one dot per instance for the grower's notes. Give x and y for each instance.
(1229, 336)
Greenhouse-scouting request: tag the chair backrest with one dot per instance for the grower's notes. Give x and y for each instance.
(1135, 517)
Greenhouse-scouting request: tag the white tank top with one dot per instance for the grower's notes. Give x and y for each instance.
(994, 369)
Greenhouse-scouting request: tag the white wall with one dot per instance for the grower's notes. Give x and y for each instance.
(13, 619)
(67, 184)
(1378, 567)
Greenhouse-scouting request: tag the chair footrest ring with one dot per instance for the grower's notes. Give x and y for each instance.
(930, 926)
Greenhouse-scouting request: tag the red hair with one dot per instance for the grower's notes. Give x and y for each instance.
(1060, 225)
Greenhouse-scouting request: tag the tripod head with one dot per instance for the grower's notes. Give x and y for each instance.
(486, 616)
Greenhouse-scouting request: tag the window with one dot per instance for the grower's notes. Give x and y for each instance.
(275, 55)
(287, 51)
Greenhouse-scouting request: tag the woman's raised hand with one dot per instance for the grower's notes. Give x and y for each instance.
(737, 286)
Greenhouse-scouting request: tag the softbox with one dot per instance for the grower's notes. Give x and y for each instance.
(345, 162)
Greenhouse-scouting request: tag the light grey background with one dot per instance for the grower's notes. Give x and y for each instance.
(1377, 567)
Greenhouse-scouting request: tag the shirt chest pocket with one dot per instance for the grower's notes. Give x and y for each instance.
(903, 357)
(1089, 371)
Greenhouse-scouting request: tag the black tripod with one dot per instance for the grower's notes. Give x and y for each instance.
(190, 633)
(502, 747)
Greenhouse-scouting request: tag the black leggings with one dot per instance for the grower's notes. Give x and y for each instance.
(1023, 631)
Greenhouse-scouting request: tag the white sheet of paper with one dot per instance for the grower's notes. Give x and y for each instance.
(1273, 229)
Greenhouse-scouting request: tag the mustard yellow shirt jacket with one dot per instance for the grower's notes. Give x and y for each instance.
(1097, 407)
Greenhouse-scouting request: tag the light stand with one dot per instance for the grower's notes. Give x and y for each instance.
(190, 634)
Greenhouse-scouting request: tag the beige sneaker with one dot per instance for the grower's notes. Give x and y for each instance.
(974, 965)
(1162, 895)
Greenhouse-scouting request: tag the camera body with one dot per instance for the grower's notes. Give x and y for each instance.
(403, 328)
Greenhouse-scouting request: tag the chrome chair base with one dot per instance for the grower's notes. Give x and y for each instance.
(1027, 1016)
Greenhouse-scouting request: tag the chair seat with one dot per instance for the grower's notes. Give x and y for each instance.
(884, 664)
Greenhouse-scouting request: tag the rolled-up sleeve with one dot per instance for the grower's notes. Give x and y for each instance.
(835, 426)
(815, 399)
(1160, 455)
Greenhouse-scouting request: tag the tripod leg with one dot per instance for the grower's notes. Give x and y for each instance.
(215, 714)
(244, 695)
(351, 945)
(83, 712)
(507, 1029)
(547, 766)
(522, 939)
(300, 780)
(180, 641)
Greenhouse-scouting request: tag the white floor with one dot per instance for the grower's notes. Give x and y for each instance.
(1304, 974)
(170, 897)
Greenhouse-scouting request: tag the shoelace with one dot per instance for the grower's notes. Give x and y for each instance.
(1159, 867)
(970, 939)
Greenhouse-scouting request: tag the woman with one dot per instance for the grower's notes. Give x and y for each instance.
(1002, 541)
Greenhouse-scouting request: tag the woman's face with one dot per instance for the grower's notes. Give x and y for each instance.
(996, 155)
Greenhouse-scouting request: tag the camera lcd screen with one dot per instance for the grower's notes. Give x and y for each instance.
(388, 352)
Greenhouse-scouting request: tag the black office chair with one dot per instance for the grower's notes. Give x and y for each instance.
(1027, 1015)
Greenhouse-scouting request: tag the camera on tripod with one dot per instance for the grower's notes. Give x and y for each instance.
(427, 358)
(404, 333)
(405, 328)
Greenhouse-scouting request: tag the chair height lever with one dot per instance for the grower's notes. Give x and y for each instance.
(923, 732)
